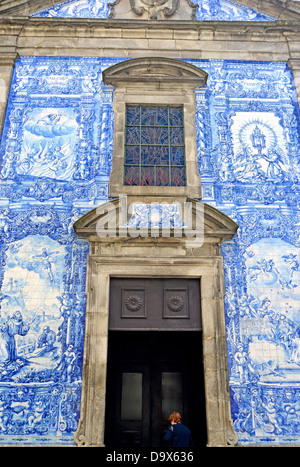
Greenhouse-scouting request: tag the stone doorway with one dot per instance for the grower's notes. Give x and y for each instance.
(147, 257)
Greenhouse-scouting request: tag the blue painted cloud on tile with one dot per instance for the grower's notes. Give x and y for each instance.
(77, 9)
(228, 10)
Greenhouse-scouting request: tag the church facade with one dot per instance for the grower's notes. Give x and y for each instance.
(149, 201)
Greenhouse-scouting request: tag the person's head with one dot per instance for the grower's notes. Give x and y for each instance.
(175, 418)
(17, 316)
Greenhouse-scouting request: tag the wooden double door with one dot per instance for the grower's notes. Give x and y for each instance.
(154, 360)
(151, 374)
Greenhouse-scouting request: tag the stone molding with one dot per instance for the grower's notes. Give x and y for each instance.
(153, 9)
(278, 41)
(155, 71)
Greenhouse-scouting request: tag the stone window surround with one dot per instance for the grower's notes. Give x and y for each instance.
(155, 81)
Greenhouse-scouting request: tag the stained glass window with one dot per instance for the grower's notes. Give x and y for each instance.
(154, 146)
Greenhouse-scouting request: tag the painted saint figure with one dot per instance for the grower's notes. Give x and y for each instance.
(45, 261)
(13, 326)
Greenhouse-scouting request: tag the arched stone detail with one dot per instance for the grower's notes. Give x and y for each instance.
(155, 81)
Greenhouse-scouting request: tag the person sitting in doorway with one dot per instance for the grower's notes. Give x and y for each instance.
(177, 433)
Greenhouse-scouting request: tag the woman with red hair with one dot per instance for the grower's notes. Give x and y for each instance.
(178, 433)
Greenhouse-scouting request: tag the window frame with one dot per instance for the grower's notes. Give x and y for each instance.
(162, 82)
(142, 144)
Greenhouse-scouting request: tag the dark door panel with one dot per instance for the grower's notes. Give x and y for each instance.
(155, 304)
(151, 374)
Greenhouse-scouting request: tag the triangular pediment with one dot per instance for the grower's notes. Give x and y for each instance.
(117, 220)
(202, 10)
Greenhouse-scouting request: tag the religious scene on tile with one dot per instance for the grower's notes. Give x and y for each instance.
(56, 157)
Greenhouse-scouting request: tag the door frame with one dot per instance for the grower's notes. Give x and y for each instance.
(148, 257)
(220, 430)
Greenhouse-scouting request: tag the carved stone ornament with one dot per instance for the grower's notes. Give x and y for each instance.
(175, 303)
(153, 9)
(133, 303)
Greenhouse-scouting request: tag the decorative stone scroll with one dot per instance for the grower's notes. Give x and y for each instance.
(153, 9)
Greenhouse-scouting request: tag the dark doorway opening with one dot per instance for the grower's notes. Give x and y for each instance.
(149, 375)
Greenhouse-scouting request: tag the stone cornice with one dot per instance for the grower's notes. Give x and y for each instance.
(27, 21)
(275, 41)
